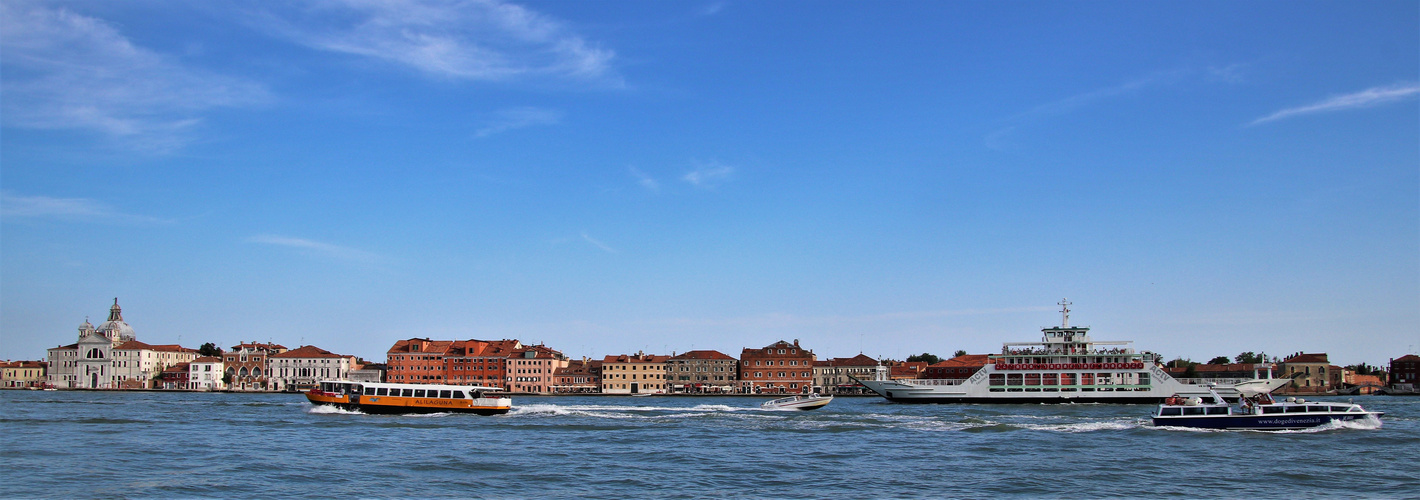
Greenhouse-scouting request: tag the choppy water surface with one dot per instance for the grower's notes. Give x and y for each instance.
(99, 444)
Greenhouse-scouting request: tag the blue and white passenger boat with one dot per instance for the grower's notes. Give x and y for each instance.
(1259, 412)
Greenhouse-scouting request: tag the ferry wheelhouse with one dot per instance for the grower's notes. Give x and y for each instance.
(1258, 412)
(1066, 366)
(384, 398)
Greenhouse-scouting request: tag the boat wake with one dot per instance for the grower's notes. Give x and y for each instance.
(622, 411)
(330, 410)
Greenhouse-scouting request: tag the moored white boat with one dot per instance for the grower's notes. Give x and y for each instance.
(810, 402)
(1066, 366)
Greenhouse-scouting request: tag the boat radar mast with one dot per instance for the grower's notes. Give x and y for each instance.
(1065, 313)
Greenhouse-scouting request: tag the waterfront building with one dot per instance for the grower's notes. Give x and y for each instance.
(958, 368)
(299, 369)
(417, 361)
(634, 373)
(367, 372)
(701, 371)
(110, 357)
(579, 376)
(248, 365)
(907, 369)
(173, 377)
(482, 362)
(531, 368)
(137, 364)
(1405, 373)
(832, 376)
(205, 374)
(780, 367)
(22, 374)
(1310, 373)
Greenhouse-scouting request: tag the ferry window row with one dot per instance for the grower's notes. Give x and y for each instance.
(1068, 379)
(1307, 408)
(414, 393)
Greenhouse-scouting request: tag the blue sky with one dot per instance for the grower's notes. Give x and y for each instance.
(607, 177)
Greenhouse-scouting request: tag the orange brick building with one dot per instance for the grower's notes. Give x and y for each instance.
(780, 367)
(480, 362)
(417, 361)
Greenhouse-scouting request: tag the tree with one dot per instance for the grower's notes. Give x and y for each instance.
(209, 349)
(1220, 360)
(1180, 363)
(959, 353)
(1248, 357)
(924, 357)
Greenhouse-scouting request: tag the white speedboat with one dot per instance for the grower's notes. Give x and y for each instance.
(1066, 366)
(1256, 413)
(810, 402)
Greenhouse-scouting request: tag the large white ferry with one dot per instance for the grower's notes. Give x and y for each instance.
(1066, 366)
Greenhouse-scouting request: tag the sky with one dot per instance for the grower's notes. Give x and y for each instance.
(1201, 178)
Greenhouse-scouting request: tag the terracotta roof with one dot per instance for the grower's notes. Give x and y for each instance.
(422, 346)
(539, 352)
(779, 345)
(1407, 357)
(968, 360)
(309, 351)
(484, 348)
(207, 359)
(70, 346)
(636, 358)
(180, 367)
(1230, 367)
(859, 360)
(703, 354)
(258, 345)
(133, 345)
(1307, 358)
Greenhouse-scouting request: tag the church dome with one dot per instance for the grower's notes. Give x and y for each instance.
(115, 328)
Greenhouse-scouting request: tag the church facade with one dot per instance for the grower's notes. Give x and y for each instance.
(110, 357)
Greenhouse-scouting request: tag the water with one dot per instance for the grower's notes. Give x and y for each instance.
(121, 444)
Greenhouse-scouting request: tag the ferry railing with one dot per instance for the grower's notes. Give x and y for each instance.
(1206, 381)
(933, 381)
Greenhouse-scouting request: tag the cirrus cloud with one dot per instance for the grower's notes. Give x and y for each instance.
(1366, 98)
(483, 40)
(64, 70)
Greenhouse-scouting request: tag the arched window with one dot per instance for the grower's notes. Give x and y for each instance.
(256, 372)
(231, 372)
(243, 372)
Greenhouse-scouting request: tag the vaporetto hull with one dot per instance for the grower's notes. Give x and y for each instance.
(1259, 422)
(1065, 367)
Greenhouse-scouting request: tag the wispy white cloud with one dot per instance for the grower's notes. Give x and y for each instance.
(644, 180)
(1002, 138)
(516, 118)
(594, 242)
(64, 70)
(712, 8)
(1366, 98)
(15, 206)
(709, 174)
(323, 249)
(486, 40)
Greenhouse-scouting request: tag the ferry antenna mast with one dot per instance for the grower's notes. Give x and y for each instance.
(1065, 313)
